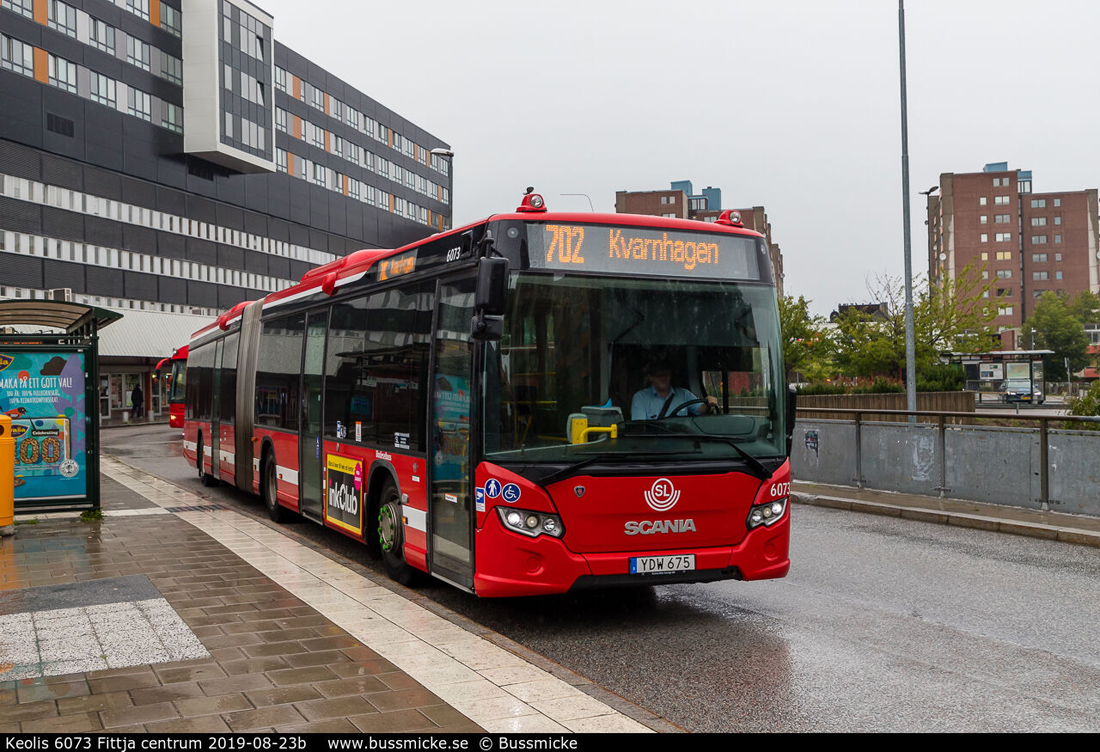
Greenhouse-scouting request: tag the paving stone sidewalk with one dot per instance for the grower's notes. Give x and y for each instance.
(273, 662)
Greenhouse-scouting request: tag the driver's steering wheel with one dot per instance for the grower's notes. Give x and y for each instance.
(681, 406)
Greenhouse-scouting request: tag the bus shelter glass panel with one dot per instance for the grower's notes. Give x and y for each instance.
(44, 394)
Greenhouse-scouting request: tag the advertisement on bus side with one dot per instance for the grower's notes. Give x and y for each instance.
(344, 492)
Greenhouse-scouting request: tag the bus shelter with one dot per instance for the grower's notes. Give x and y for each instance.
(1005, 375)
(49, 372)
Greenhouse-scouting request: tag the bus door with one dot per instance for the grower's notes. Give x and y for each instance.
(215, 413)
(450, 497)
(311, 446)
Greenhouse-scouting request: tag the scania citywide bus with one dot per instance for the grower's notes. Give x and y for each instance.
(462, 405)
(178, 362)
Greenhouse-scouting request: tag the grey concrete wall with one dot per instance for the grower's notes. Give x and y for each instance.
(980, 463)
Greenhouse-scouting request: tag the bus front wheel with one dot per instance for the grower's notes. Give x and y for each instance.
(271, 489)
(391, 536)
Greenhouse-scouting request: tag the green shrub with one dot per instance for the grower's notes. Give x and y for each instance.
(1086, 405)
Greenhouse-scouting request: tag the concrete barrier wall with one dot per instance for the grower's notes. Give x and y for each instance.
(981, 463)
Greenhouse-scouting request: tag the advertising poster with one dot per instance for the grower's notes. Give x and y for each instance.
(452, 427)
(344, 492)
(43, 393)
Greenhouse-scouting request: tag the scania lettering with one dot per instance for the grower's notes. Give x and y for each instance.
(463, 405)
(646, 527)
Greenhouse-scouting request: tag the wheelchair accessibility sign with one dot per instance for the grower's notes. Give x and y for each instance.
(493, 490)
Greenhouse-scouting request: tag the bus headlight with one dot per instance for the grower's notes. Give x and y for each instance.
(532, 524)
(767, 514)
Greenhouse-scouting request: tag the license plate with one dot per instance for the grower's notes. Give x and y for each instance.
(662, 564)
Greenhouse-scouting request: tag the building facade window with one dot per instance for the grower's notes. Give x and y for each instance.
(1004, 274)
(137, 53)
(1038, 239)
(1000, 200)
(62, 73)
(16, 56)
(171, 20)
(61, 17)
(1038, 257)
(1003, 237)
(1004, 255)
(139, 104)
(25, 7)
(1038, 203)
(1039, 276)
(173, 117)
(139, 8)
(102, 35)
(1002, 219)
(171, 68)
(1038, 221)
(103, 90)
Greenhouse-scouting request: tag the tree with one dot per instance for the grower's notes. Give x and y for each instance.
(1086, 308)
(951, 316)
(805, 346)
(1057, 329)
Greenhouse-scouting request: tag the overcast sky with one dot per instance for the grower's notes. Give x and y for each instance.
(788, 104)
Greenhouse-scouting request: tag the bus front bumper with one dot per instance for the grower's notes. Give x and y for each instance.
(509, 564)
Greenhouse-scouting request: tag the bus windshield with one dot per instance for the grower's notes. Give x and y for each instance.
(177, 385)
(577, 345)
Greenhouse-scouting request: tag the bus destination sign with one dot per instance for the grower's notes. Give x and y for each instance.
(641, 250)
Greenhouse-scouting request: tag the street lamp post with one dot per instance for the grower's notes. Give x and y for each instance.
(910, 336)
(591, 206)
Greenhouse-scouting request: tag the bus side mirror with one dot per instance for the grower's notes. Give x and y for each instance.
(492, 286)
(489, 300)
(792, 409)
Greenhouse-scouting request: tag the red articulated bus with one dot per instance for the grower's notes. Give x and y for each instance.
(487, 405)
(176, 379)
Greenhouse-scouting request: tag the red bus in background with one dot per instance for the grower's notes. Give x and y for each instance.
(463, 405)
(176, 378)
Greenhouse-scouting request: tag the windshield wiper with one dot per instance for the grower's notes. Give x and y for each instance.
(762, 472)
(569, 470)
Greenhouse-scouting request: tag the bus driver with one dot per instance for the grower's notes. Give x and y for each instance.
(660, 397)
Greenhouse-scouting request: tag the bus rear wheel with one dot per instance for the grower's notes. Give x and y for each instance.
(391, 536)
(204, 477)
(270, 488)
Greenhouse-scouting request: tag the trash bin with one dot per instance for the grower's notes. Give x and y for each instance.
(7, 477)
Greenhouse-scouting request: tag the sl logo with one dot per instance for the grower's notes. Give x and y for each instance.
(662, 496)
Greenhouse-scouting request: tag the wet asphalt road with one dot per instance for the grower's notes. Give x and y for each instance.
(882, 625)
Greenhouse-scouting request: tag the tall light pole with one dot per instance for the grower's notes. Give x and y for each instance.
(910, 336)
(591, 206)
